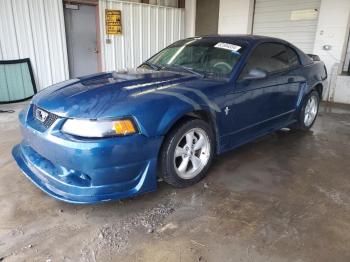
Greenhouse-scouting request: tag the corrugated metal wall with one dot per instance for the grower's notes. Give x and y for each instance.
(346, 66)
(35, 29)
(273, 18)
(146, 30)
(172, 3)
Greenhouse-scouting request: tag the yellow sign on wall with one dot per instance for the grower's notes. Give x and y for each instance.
(113, 22)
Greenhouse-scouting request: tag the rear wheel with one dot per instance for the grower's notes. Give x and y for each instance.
(308, 112)
(187, 153)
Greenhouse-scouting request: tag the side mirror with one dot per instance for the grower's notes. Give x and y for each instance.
(255, 73)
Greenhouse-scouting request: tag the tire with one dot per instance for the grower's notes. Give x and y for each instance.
(302, 123)
(177, 142)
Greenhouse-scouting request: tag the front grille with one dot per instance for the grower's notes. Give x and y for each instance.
(51, 118)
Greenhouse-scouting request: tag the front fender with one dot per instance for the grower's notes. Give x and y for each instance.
(173, 115)
(170, 117)
(167, 106)
(160, 120)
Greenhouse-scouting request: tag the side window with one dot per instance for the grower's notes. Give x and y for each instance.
(271, 57)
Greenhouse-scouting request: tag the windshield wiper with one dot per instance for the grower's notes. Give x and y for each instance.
(191, 70)
(153, 66)
(184, 68)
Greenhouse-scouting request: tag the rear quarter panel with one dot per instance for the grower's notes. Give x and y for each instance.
(315, 74)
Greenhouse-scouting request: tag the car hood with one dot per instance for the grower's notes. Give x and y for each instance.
(104, 95)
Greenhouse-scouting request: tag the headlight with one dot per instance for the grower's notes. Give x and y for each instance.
(96, 128)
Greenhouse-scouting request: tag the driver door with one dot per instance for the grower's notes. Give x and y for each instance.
(258, 106)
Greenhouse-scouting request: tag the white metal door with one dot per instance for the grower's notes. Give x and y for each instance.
(291, 20)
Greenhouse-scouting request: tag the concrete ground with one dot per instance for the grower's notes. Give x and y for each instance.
(285, 197)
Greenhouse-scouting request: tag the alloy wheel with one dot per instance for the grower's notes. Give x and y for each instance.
(192, 153)
(310, 110)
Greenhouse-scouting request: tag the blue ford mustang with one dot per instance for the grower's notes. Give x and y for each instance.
(111, 135)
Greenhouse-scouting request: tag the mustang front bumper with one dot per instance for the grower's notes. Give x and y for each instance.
(86, 171)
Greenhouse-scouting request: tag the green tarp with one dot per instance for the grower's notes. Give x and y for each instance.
(16, 80)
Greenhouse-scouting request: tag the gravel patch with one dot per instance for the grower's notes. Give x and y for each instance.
(115, 237)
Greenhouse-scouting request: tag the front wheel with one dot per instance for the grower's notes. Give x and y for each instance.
(187, 153)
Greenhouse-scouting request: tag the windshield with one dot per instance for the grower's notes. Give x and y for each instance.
(205, 57)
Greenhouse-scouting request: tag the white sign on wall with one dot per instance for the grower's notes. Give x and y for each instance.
(306, 14)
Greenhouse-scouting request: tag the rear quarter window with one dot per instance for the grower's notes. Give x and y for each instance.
(293, 58)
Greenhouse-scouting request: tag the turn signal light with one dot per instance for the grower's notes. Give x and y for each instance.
(124, 127)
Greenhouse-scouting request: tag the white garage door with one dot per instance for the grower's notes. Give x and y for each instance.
(291, 20)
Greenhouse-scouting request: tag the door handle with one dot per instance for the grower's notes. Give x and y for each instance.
(95, 51)
(290, 80)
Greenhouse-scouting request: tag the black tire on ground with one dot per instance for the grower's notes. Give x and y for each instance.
(300, 125)
(167, 152)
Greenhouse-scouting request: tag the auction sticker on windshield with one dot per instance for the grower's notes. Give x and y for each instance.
(228, 46)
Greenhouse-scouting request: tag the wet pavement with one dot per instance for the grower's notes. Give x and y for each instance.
(284, 197)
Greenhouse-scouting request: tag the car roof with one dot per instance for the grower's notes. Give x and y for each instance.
(243, 37)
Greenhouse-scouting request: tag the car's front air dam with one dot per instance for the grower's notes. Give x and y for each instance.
(67, 191)
(79, 171)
